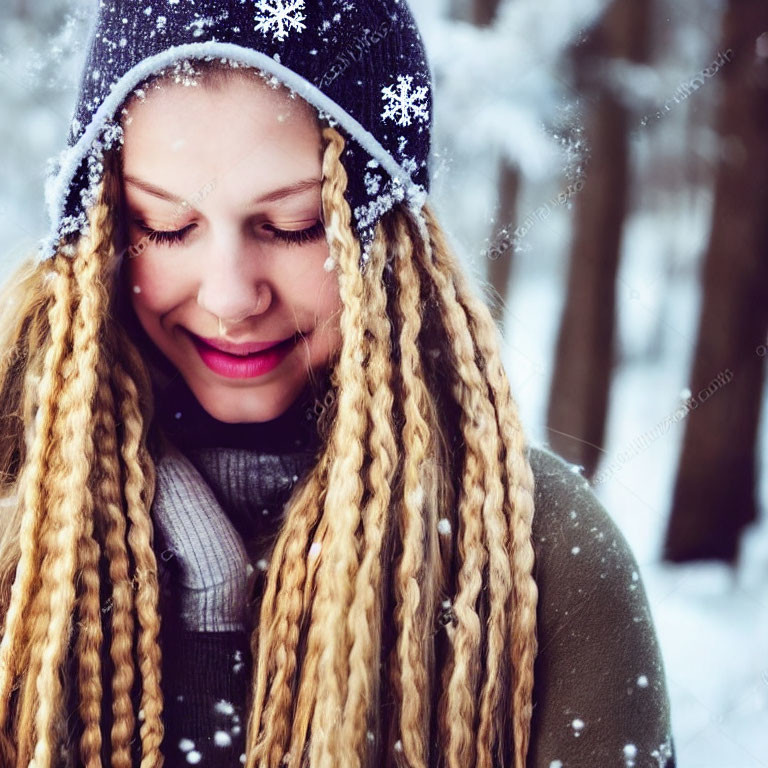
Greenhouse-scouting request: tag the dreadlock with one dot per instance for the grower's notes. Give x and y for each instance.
(397, 624)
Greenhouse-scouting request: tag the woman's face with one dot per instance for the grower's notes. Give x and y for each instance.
(223, 213)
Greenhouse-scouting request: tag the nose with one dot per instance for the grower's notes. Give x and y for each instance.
(234, 288)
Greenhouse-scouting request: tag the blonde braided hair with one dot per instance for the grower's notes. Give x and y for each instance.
(352, 665)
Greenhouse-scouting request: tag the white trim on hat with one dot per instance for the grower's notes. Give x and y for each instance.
(57, 188)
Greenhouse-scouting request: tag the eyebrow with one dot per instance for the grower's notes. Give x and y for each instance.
(276, 194)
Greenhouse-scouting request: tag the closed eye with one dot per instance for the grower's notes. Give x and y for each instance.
(294, 237)
(301, 235)
(163, 237)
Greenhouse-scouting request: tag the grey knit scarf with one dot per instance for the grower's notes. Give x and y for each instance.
(216, 512)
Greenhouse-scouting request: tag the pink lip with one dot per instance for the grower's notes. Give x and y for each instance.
(240, 349)
(256, 363)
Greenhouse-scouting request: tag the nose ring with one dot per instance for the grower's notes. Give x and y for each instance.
(221, 324)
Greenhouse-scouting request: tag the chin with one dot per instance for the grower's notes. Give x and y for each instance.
(241, 406)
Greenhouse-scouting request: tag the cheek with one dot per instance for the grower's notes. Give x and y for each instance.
(323, 288)
(328, 298)
(314, 294)
(154, 284)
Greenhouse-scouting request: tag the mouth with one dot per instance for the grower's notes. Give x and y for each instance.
(243, 351)
(234, 365)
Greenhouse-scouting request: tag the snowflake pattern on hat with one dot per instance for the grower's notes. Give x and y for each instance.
(404, 104)
(338, 55)
(279, 17)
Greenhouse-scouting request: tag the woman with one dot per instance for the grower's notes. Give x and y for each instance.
(195, 572)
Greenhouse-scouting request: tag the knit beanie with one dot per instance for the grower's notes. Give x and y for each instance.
(360, 63)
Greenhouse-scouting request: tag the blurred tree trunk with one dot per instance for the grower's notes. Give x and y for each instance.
(714, 493)
(584, 357)
(500, 266)
(484, 12)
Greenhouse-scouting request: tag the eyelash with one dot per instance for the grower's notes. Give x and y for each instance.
(292, 238)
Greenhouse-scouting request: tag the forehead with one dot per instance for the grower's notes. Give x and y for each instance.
(214, 97)
(172, 128)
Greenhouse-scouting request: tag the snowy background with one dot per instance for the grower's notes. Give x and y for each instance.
(498, 92)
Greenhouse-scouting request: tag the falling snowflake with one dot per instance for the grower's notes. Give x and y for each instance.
(199, 25)
(403, 104)
(222, 739)
(409, 165)
(224, 707)
(578, 725)
(279, 17)
(372, 183)
(664, 753)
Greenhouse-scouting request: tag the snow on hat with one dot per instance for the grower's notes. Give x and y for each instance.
(361, 63)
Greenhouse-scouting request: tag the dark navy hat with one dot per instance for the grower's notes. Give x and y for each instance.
(360, 63)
